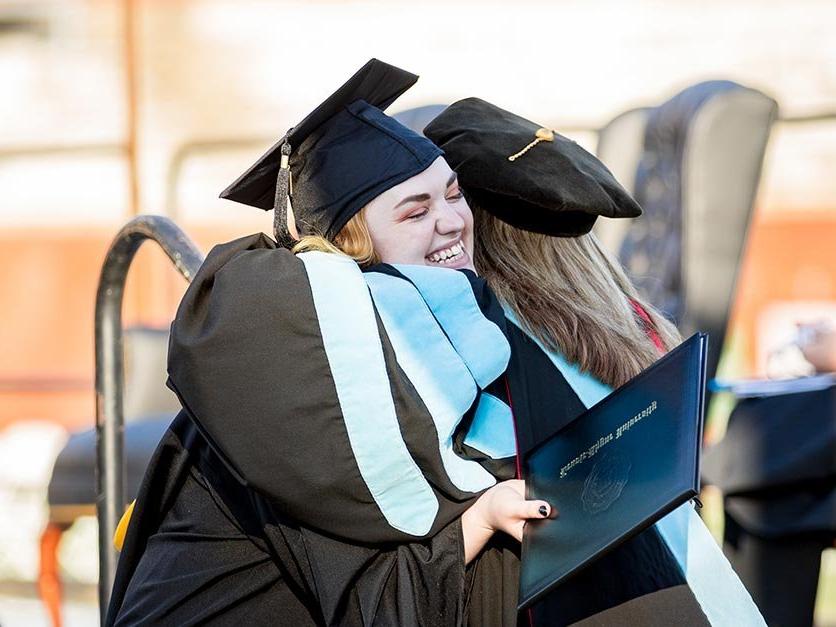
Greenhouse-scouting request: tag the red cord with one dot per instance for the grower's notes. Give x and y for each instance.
(518, 461)
(648, 326)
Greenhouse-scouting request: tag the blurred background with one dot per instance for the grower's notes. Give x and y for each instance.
(111, 109)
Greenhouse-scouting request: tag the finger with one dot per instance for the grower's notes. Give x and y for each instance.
(517, 485)
(544, 510)
(516, 530)
(533, 509)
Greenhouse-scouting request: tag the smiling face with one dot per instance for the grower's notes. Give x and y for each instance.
(423, 221)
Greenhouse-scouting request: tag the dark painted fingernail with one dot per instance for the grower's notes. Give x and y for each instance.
(544, 511)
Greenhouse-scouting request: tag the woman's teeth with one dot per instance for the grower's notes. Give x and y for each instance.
(448, 255)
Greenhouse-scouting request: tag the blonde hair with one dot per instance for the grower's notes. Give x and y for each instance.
(572, 296)
(353, 240)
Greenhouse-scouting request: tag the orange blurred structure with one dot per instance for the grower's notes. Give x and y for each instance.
(50, 277)
(790, 256)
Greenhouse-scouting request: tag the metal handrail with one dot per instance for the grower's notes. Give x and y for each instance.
(110, 462)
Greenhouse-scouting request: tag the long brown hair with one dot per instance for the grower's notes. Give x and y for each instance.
(572, 296)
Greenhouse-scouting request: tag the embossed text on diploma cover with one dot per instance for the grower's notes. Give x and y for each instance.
(616, 469)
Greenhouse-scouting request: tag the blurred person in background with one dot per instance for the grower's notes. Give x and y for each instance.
(811, 351)
(776, 468)
(817, 342)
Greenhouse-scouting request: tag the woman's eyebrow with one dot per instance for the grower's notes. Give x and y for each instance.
(424, 197)
(413, 198)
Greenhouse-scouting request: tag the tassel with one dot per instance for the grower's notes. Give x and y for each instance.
(282, 235)
(542, 135)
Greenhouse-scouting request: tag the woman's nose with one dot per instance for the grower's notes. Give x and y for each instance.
(449, 220)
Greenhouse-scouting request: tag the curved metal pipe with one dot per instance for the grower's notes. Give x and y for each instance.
(110, 464)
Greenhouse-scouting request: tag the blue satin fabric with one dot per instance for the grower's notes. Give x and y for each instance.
(447, 349)
(438, 372)
(355, 356)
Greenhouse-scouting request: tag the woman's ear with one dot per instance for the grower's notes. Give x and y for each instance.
(291, 222)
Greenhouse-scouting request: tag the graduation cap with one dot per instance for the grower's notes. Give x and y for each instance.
(525, 174)
(341, 156)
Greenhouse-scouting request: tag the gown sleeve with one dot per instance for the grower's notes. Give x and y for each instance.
(248, 360)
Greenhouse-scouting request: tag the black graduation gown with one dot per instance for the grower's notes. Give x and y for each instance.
(776, 466)
(255, 507)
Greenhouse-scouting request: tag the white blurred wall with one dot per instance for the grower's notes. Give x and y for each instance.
(225, 69)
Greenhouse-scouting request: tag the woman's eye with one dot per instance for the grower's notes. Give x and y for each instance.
(418, 215)
(455, 197)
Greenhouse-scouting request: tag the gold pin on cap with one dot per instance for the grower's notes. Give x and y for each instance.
(542, 135)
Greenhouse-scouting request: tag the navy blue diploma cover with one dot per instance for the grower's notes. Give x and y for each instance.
(616, 469)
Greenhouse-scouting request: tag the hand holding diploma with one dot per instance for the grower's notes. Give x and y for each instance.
(500, 508)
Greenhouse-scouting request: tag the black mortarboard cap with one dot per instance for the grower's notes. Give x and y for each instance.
(524, 174)
(342, 155)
